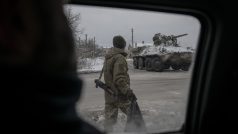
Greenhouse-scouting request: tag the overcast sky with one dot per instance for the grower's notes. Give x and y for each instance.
(104, 23)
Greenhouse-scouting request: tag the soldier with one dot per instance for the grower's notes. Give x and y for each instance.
(116, 77)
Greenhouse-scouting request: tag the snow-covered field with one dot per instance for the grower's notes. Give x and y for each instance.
(92, 65)
(89, 65)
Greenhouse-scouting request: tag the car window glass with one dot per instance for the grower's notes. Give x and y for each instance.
(161, 49)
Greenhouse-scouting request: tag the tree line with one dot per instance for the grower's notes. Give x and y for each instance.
(87, 47)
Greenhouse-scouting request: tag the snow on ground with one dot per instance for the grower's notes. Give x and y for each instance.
(161, 97)
(91, 65)
(144, 44)
(129, 60)
(159, 116)
(88, 65)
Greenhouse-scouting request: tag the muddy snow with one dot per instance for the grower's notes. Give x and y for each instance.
(162, 97)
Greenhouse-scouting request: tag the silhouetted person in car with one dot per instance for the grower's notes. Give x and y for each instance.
(39, 83)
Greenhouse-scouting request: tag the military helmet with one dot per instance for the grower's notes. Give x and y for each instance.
(119, 42)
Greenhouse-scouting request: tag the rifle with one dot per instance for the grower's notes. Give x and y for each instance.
(135, 121)
(103, 86)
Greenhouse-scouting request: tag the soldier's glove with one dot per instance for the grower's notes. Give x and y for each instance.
(97, 82)
(130, 95)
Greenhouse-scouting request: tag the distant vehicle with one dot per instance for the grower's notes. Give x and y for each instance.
(165, 53)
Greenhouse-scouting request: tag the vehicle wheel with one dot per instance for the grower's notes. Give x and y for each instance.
(141, 63)
(135, 63)
(185, 67)
(176, 67)
(148, 64)
(157, 64)
(166, 66)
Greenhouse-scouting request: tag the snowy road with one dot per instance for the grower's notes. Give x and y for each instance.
(162, 97)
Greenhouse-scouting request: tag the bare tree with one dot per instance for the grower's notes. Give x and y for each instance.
(83, 48)
(74, 21)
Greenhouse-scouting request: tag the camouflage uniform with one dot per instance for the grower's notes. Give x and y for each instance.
(117, 78)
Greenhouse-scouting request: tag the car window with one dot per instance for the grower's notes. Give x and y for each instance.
(160, 51)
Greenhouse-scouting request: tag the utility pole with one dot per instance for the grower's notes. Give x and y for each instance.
(86, 39)
(94, 45)
(79, 41)
(132, 41)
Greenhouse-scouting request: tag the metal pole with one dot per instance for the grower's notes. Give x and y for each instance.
(132, 41)
(94, 45)
(79, 41)
(86, 39)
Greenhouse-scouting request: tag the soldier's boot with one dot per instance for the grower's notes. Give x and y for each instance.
(111, 113)
(108, 127)
(109, 123)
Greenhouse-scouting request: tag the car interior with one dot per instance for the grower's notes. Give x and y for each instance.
(37, 97)
(211, 103)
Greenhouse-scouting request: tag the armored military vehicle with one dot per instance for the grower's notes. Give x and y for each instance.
(165, 53)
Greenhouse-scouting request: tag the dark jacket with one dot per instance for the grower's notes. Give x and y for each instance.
(37, 102)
